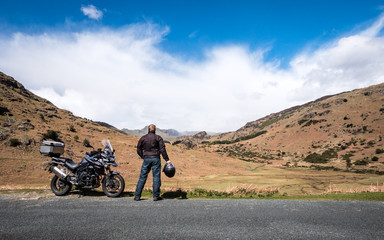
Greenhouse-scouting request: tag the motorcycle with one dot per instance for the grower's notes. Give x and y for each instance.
(95, 168)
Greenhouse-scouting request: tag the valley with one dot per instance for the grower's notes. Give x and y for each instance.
(333, 144)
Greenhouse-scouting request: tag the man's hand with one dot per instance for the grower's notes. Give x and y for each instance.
(168, 162)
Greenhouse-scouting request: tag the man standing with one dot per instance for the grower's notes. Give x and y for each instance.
(149, 148)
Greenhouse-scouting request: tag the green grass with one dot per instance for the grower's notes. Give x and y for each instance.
(208, 194)
(364, 196)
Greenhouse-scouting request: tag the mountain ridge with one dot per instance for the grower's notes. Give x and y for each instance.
(348, 124)
(166, 134)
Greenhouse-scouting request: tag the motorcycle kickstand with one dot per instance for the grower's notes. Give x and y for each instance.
(81, 193)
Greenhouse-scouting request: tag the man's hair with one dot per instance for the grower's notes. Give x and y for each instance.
(152, 128)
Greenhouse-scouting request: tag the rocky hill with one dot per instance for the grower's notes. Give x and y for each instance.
(26, 120)
(342, 131)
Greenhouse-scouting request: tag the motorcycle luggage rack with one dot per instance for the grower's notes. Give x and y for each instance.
(51, 148)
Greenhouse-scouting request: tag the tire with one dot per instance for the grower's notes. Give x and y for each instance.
(60, 187)
(113, 185)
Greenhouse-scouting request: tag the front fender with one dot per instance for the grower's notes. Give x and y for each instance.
(113, 164)
(111, 173)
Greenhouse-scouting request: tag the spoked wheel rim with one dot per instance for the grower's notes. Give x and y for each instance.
(60, 187)
(113, 185)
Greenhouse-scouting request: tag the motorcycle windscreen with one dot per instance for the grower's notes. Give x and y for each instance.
(107, 146)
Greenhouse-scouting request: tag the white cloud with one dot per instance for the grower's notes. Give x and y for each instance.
(350, 62)
(123, 78)
(92, 12)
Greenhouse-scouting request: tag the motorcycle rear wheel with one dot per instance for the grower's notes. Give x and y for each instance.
(60, 187)
(113, 186)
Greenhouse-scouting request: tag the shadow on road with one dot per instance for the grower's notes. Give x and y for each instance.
(175, 194)
(95, 193)
(178, 194)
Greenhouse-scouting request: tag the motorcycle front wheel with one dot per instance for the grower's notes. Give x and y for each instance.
(113, 185)
(60, 187)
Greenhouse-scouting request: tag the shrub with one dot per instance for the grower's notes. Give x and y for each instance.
(76, 138)
(379, 151)
(80, 124)
(347, 158)
(14, 142)
(315, 158)
(323, 158)
(51, 134)
(313, 122)
(319, 168)
(371, 143)
(72, 128)
(176, 142)
(375, 159)
(361, 162)
(221, 142)
(330, 153)
(86, 143)
(3, 110)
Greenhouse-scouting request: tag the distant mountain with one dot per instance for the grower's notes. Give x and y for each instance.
(166, 134)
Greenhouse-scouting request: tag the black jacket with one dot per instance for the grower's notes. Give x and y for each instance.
(151, 145)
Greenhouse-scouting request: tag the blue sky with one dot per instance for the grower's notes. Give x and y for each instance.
(205, 60)
(283, 26)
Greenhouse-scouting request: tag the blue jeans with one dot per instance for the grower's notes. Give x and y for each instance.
(149, 163)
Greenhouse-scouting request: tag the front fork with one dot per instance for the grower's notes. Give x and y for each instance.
(110, 180)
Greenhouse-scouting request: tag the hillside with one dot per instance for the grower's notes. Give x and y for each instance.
(342, 131)
(266, 155)
(26, 120)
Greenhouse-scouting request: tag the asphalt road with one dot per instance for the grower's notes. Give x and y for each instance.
(92, 217)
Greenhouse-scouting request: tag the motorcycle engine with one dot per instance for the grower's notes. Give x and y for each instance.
(87, 177)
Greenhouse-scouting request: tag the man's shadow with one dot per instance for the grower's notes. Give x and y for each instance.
(178, 194)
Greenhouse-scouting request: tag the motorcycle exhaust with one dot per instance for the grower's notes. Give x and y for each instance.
(58, 172)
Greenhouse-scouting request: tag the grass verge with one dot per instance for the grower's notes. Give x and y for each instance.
(208, 194)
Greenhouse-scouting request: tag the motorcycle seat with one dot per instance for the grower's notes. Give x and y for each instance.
(71, 164)
(60, 159)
